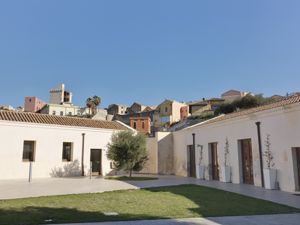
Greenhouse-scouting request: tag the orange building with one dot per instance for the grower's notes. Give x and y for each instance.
(141, 124)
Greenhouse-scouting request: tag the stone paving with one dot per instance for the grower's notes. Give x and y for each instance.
(12, 189)
(282, 219)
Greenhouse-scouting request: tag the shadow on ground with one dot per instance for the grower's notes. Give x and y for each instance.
(185, 201)
(44, 215)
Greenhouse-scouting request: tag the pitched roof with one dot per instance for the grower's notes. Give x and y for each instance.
(58, 120)
(285, 102)
(231, 92)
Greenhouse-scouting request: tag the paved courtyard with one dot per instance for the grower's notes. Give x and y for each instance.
(12, 189)
(286, 219)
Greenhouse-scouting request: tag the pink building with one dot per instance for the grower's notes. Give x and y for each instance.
(33, 104)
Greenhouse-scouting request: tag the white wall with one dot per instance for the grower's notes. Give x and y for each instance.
(151, 166)
(49, 141)
(283, 124)
(176, 111)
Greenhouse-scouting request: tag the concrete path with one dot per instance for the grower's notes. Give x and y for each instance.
(61, 186)
(280, 197)
(286, 219)
(14, 189)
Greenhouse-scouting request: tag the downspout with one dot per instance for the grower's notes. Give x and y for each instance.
(194, 149)
(194, 142)
(260, 154)
(82, 155)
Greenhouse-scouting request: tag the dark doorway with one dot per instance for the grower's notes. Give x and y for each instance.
(297, 155)
(214, 161)
(247, 162)
(191, 161)
(96, 155)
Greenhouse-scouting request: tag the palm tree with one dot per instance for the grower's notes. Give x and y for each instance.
(92, 103)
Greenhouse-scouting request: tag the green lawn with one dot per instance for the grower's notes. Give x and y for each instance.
(165, 202)
(125, 178)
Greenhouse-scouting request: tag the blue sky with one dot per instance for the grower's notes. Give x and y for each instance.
(146, 51)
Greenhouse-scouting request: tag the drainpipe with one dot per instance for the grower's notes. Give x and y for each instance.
(194, 149)
(260, 154)
(194, 143)
(82, 155)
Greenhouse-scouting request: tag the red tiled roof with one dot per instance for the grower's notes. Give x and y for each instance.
(59, 120)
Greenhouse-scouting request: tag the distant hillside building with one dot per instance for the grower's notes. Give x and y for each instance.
(59, 95)
(33, 104)
(117, 109)
(205, 107)
(141, 124)
(167, 112)
(184, 112)
(136, 108)
(60, 104)
(232, 95)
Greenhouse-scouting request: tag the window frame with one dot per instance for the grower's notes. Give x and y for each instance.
(66, 159)
(32, 158)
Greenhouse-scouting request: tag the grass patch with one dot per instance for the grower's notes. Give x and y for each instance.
(155, 203)
(126, 178)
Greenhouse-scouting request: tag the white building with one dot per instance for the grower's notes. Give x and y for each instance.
(280, 120)
(64, 110)
(53, 144)
(60, 104)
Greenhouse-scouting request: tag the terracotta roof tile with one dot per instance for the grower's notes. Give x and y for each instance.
(59, 120)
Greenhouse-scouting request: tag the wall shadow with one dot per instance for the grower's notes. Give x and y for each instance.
(45, 215)
(71, 169)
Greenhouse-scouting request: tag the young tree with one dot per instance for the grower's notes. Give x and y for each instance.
(128, 151)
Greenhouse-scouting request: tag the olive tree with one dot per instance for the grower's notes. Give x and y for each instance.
(128, 151)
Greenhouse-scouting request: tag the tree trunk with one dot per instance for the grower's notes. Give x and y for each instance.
(130, 172)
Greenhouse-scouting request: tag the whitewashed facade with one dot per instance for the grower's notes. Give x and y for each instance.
(279, 120)
(48, 150)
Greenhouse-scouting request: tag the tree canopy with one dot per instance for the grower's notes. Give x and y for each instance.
(128, 151)
(247, 102)
(92, 103)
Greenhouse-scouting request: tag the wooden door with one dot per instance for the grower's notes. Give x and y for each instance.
(214, 161)
(191, 161)
(96, 155)
(298, 165)
(247, 162)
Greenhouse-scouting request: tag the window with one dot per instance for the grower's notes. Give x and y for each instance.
(70, 113)
(67, 152)
(61, 113)
(166, 109)
(30, 100)
(54, 113)
(143, 125)
(164, 119)
(29, 151)
(134, 125)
